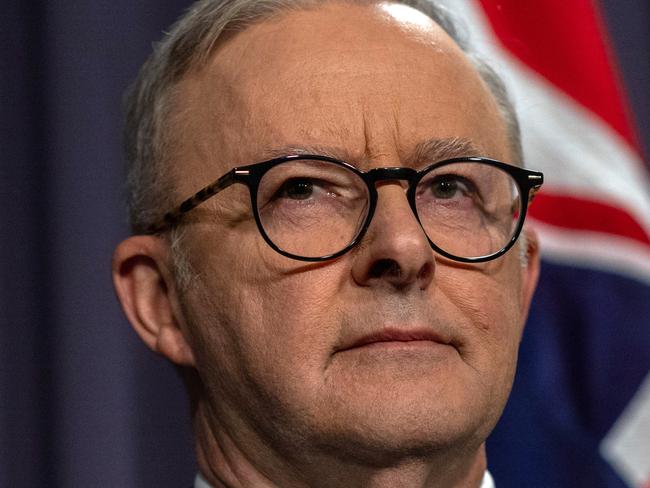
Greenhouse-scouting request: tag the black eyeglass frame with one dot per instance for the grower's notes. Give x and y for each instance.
(528, 182)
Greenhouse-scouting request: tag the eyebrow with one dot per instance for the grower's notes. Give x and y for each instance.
(434, 150)
(429, 151)
(328, 151)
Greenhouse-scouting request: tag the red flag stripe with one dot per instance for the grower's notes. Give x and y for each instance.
(588, 215)
(565, 42)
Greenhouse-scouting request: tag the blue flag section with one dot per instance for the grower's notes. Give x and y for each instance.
(84, 403)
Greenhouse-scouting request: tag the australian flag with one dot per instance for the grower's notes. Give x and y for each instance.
(579, 414)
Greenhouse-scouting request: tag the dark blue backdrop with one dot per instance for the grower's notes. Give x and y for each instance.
(82, 402)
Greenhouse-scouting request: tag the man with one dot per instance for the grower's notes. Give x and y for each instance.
(338, 324)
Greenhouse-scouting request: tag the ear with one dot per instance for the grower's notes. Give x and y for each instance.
(529, 269)
(145, 287)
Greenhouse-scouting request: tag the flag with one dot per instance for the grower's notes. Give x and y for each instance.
(579, 413)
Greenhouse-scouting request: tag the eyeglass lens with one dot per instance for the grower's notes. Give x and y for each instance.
(313, 208)
(468, 209)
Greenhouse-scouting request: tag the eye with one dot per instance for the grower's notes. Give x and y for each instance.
(449, 186)
(296, 189)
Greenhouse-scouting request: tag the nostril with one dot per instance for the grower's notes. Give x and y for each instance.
(426, 272)
(385, 268)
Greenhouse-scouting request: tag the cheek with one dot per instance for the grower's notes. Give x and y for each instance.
(489, 300)
(300, 317)
(280, 319)
(489, 308)
(283, 332)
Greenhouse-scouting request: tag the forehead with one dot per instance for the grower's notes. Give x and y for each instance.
(367, 82)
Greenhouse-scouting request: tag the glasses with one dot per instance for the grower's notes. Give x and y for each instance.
(316, 208)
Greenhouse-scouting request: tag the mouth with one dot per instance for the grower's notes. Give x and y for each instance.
(397, 338)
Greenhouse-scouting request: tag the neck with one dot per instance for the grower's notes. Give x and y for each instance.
(226, 462)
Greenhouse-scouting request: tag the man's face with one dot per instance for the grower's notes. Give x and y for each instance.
(274, 338)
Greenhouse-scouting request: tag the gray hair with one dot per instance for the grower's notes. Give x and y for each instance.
(188, 45)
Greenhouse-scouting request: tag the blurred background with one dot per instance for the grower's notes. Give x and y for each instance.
(84, 403)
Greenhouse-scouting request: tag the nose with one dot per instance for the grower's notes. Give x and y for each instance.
(395, 252)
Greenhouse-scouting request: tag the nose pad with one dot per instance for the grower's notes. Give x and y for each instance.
(396, 251)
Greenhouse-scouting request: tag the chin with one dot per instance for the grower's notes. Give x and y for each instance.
(393, 430)
(393, 447)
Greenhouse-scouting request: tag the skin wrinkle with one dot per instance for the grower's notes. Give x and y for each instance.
(397, 125)
(228, 458)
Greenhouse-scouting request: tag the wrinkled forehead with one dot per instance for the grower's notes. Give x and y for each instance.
(360, 81)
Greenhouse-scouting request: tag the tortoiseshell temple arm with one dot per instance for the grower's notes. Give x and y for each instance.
(174, 216)
(535, 180)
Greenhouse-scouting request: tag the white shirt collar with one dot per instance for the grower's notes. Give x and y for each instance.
(199, 482)
(488, 482)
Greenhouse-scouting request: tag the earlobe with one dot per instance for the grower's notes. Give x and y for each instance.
(145, 288)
